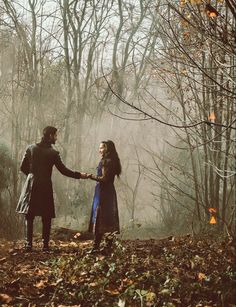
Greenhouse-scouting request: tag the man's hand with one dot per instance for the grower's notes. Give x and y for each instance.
(85, 175)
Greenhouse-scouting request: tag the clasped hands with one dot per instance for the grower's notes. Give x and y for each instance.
(85, 176)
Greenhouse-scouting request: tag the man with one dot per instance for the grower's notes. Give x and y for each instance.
(37, 195)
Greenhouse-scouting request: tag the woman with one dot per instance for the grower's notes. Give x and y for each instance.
(104, 215)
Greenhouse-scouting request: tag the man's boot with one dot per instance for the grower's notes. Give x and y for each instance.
(46, 232)
(29, 233)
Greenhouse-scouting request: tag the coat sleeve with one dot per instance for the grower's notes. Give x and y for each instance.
(25, 163)
(106, 174)
(64, 170)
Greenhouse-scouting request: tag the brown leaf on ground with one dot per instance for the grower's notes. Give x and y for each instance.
(173, 271)
(6, 299)
(41, 284)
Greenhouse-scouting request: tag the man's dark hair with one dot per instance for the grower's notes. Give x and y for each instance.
(49, 130)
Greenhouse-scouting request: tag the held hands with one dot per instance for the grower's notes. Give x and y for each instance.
(85, 176)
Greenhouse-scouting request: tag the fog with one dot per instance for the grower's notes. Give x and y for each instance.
(107, 70)
(133, 139)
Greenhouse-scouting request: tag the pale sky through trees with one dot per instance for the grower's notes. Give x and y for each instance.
(171, 61)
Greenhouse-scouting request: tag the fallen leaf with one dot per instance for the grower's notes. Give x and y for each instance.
(73, 244)
(150, 297)
(14, 282)
(121, 303)
(29, 291)
(41, 284)
(127, 281)
(165, 292)
(77, 235)
(201, 276)
(2, 259)
(57, 282)
(5, 298)
(39, 272)
(112, 292)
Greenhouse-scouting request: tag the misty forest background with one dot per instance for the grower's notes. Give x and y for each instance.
(146, 74)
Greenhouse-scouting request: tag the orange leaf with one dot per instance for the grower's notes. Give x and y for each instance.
(4, 298)
(212, 220)
(196, 1)
(128, 281)
(211, 14)
(212, 210)
(41, 284)
(186, 35)
(182, 2)
(201, 276)
(212, 117)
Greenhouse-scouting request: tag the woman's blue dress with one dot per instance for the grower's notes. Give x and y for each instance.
(104, 214)
(97, 195)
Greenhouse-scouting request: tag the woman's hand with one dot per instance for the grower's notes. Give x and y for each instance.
(84, 175)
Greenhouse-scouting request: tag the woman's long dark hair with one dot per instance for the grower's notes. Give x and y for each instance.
(112, 155)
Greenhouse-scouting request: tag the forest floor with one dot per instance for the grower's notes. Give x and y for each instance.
(175, 271)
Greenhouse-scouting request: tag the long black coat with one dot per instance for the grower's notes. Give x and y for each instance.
(37, 194)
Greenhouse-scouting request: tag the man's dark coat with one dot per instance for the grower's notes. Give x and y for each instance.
(37, 194)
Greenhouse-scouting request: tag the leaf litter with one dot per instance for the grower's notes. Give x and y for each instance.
(183, 271)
